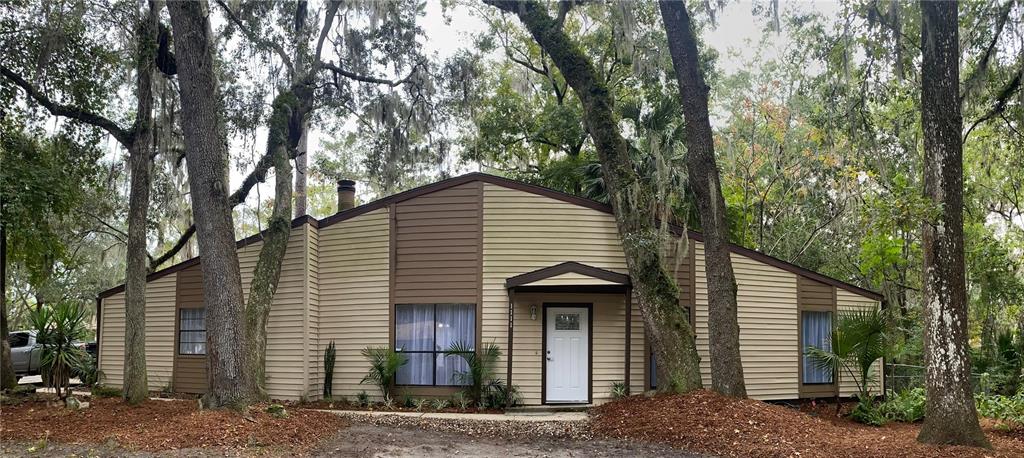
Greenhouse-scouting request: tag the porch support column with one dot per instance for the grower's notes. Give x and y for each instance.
(511, 316)
(629, 331)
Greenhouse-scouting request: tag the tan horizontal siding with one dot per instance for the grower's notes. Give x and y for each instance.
(523, 232)
(767, 315)
(846, 301)
(286, 327)
(353, 286)
(315, 356)
(159, 335)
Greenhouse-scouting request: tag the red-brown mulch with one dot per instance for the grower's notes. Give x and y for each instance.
(710, 423)
(163, 425)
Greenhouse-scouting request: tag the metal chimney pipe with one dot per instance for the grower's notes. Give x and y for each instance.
(346, 195)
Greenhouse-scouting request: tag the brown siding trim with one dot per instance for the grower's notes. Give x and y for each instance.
(392, 254)
(809, 293)
(629, 334)
(480, 267)
(588, 289)
(99, 328)
(305, 219)
(564, 268)
(188, 374)
(693, 289)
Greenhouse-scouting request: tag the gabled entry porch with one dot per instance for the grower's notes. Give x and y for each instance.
(570, 331)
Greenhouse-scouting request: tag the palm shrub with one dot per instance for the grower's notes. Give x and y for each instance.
(329, 371)
(58, 328)
(384, 364)
(480, 368)
(858, 340)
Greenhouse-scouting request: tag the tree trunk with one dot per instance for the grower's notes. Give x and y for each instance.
(207, 161)
(950, 415)
(275, 244)
(723, 327)
(7, 379)
(634, 206)
(301, 165)
(136, 384)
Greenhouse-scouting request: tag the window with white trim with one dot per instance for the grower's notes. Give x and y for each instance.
(192, 331)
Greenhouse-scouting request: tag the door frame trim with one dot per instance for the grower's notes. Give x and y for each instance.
(544, 348)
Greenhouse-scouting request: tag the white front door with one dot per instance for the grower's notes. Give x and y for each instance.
(568, 371)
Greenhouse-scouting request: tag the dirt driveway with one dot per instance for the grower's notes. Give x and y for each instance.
(366, 440)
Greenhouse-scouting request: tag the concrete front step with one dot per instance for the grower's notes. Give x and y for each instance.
(549, 408)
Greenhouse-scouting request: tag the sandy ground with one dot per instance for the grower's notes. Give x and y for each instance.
(365, 440)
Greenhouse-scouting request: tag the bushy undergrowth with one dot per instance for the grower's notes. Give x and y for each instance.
(906, 406)
(1000, 407)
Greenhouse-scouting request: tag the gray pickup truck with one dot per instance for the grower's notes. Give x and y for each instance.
(24, 353)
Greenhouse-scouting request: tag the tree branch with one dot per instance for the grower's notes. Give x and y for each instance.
(1001, 100)
(122, 135)
(365, 78)
(251, 35)
(258, 175)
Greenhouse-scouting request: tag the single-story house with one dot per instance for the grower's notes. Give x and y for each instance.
(481, 259)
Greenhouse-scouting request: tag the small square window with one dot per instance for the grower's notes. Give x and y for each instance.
(567, 322)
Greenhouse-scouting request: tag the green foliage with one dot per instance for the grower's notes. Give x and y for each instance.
(329, 357)
(1001, 407)
(277, 411)
(619, 390)
(498, 395)
(87, 372)
(103, 391)
(1000, 367)
(421, 404)
(363, 399)
(480, 368)
(906, 406)
(857, 341)
(865, 412)
(58, 328)
(384, 364)
(461, 401)
(440, 403)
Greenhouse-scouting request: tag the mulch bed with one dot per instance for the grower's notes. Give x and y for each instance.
(706, 422)
(163, 425)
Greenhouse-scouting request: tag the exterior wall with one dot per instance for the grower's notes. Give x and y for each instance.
(813, 296)
(189, 370)
(767, 314)
(523, 232)
(608, 341)
(846, 301)
(159, 335)
(437, 247)
(287, 358)
(353, 284)
(315, 363)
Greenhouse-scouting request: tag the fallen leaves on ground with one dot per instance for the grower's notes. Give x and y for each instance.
(163, 425)
(706, 422)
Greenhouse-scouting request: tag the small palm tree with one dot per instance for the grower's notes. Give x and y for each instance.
(858, 340)
(480, 364)
(384, 364)
(58, 329)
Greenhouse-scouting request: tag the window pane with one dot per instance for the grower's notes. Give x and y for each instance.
(414, 327)
(449, 368)
(17, 339)
(567, 322)
(816, 329)
(455, 323)
(193, 319)
(418, 371)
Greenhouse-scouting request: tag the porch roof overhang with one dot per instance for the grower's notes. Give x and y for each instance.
(570, 277)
